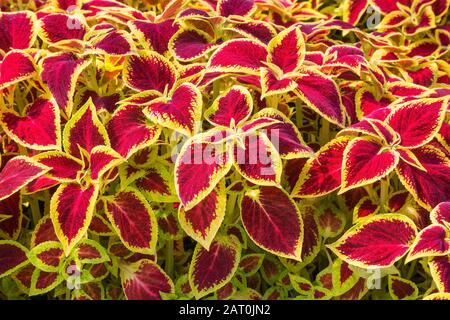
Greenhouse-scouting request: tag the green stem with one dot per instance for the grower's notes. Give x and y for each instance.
(411, 269)
(35, 212)
(272, 102)
(231, 204)
(47, 202)
(169, 258)
(216, 89)
(298, 113)
(371, 193)
(324, 132)
(384, 192)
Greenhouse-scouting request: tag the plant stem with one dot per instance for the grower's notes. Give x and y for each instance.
(169, 258)
(324, 132)
(231, 203)
(216, 89)
(298, 113)
(35, 211)
(411, 269)
(47, 202)
(384, 192)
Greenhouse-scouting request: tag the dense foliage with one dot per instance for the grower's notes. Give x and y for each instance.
(230, 149)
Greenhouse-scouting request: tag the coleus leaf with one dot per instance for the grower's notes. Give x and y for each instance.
(181, 112)
(284, 135)
(365, 162)
(418, 121)
(71, 210)
(198, 168)
(212, 269)
(240, 55)
(11, 210)
(343, 277)
(44, 231)
(133, 219)
(364, 208)
(13, 256)
(312, 239)
(434, 240)
(102, 159)
(441, 214)
(91, 252)
(267, 214)
(39, 127)
(204, 220)
(17, 173)
(257, 160)
(16, 66)
(258, 30)
(438, 296)
(397, 200)
(66, 5)
(100, 226)
(17, 30)
(60, 72)
(155, 34)
(43, 282)
(287, 50)
(23, 277)
(57, 27)
(189, 44)
(112, 43)
(378, 241)
(321, 94)
(227, 8)
(353, 10)
(230, 109)
(331, 221)
(47, 256)
(63, 167)
(367, 102)
(428, 188)
(300, 284)
(344, 57)
(322, 174)
(84, 130)
(226, 292)
(271, 84)
(402, 289)
(156, 182)
(251, 263)
(145, 280)
(440, 272)
(141, 133)
(149, 71)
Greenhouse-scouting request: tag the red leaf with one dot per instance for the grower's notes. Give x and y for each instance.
(16, 66)
(17, 173)
(377, 241)
(418, 121)
(39, 128)
(366, 162)
(431, 241)
(322, 174)
(13, 256)
(211, 270)
(141, 134)
(145, 280)
(134, 220)
(71, 211)
(273, 221)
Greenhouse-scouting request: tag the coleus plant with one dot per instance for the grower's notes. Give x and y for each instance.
(229, 149)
